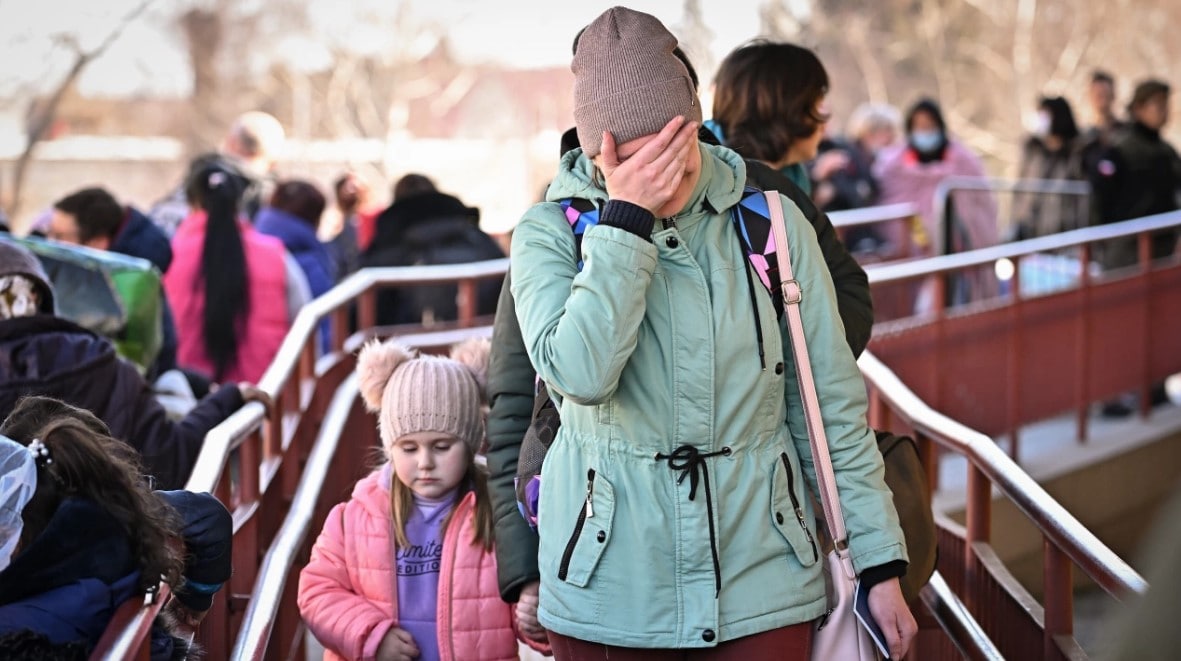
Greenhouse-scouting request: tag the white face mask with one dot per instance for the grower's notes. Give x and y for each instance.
(1041, 125)
(926, 141)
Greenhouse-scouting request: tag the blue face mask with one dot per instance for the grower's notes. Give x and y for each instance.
(926, 141)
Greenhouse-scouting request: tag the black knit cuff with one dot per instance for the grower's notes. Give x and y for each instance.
(629, 217)
(882, 573)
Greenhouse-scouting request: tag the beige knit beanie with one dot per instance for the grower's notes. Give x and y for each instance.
(627, 80)
(414, 393)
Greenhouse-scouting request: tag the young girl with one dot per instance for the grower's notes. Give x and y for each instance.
(90, 533)
(405, 569)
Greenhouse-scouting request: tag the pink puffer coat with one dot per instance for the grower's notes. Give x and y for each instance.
(348, 590)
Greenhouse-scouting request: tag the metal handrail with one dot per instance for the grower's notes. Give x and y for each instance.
(276, 564)
(870, 215)
(124, 643)
(945, 187)
(223, 439)
(1056, 523)
(953, 616)
(896, 272)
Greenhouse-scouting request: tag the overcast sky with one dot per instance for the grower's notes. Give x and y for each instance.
(149, 56)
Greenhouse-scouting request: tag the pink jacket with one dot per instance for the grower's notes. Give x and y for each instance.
(266, 322)
(902, 178)
(348, 590)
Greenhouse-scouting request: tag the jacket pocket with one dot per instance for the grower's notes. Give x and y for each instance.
(591, 532)
(787, 514)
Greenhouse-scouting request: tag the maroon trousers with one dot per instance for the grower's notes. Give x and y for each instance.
(792, 643)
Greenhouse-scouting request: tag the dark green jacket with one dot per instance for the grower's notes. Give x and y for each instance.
(511, 382)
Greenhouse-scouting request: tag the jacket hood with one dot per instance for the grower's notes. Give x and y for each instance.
(16, 259)
(400, 216)
(722, 181)
(48, 356)
(81, 541)
(297, 235)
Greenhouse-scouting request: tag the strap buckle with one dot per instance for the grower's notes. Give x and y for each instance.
(793, 293)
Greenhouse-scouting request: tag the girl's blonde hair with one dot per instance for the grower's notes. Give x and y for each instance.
(475, 480)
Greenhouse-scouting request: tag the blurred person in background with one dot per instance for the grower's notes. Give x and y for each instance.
(235, 292)
(1053, 151)
(292, 217)
(843, 172)
(251, 148)
(93, 218)
(1138, 175)
(913, 171)
(352, 205)
(1101, 99)
(422, 227)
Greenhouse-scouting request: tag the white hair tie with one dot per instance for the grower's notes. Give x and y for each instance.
(40, 452)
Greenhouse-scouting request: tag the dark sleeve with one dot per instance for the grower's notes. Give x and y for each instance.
(882, 573)
(852, 285)
(169, 449)
(510, 390)
(207, 530)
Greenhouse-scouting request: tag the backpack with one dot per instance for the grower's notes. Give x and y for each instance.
(752, 221)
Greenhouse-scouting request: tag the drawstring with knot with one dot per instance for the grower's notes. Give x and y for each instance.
(690, 462)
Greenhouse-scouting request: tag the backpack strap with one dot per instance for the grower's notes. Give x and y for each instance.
(752, 221)
(582, 214)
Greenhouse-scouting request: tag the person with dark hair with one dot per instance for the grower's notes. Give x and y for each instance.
(251, 147)
(1053, 151)
(292, 217)
(42, 354)
(26, 645)
(769, 106)
(352, 195)
(678, 399)
(91, 534)
(911, 172)
(205, 526)
(1138, 175)
(429, 227)
(246, 278)
(1096, 140)
(93, 218)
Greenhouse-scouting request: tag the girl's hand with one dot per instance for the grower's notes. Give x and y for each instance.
(252, 393)
(893, 616)
(527, 622)
(398, 645)
(649, 177)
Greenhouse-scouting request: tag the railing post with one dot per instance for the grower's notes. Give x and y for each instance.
(367, 309)
(340, 327)
(1059, 598)
(979, 530)
(466, 302)
(1013, 391)
(1082, 384)
(1145, 276)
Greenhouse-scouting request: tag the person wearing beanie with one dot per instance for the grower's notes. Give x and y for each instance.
(435, 596)
(43, 354)
(682, 452)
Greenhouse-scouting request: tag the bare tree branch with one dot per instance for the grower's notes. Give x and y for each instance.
(41, 121)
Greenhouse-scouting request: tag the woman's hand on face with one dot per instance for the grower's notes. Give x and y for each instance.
(893, 616)
(649, 177)
(398, 645)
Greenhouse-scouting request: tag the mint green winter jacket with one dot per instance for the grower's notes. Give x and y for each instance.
(651, 350)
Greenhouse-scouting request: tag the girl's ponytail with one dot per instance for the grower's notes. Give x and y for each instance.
(74, 461)
(217, 188)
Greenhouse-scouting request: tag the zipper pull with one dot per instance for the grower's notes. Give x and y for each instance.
(590, 494)
(669, 223)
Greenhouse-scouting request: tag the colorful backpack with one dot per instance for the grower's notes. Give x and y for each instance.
(752, 221)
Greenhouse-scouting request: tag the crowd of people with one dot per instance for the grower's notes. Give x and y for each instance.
(683, 436)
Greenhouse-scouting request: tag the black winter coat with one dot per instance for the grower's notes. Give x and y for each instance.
(50, 356)
(511, 382)
(430, 229)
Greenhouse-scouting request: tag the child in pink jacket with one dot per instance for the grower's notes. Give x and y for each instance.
(406, 568)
